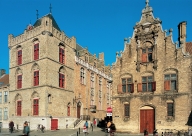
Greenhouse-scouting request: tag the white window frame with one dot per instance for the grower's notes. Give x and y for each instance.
(5, 117)
(5, 96)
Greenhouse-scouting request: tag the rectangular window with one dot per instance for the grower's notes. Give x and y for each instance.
(92, 80)
(170, 82)
(19, 81)
(5, 113)
(19, 108)
(0, 97)
(36, 78)
(147, 54)
(36, 51)
(61, 55)
(36, 107)
(82, 76)
(169, 109)
(147, 84)
(126, 110)
(127, 85)
(19, 57)
(5, 97)
(61, 80)
(0, 114)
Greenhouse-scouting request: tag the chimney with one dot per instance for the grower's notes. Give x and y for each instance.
(2, 72)
(182, 34)
(101, 56)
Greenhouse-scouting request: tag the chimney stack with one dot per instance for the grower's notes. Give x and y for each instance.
(182, 34)
(101, 56)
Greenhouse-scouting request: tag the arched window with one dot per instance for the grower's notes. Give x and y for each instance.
(35, 69)
(19, 78)
(62, 53)
(19, 55)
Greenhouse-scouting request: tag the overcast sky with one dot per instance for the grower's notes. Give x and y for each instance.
(99, 25)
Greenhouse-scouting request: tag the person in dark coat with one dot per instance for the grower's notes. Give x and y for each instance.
(11, 125)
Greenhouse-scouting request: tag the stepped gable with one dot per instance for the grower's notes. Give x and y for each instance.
(54, 23)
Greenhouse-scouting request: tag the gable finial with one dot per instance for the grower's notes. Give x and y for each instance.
(50, 8)
(37, 13)
(147, 3)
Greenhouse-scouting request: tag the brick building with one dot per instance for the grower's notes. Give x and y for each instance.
(152, 86)
(4, 92)
(46, 85)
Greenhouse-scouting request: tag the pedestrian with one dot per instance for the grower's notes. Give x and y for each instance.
(112, 128)
(86, 125)
(145, 132)
(94, 122)
(24, 125)
(26, 130)
(11, 125)
(109, 125)
(42, 128)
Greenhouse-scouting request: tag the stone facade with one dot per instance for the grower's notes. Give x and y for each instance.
(45, 77)
(152, 79)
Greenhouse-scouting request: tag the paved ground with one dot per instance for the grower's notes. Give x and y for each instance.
(64, 132)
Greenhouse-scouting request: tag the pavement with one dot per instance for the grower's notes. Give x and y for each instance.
(65, 132)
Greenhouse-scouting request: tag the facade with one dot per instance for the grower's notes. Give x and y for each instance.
(4, 95)
(45, 86)
(152, 78)
(92, 85)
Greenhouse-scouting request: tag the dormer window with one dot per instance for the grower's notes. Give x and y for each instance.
(147, 54)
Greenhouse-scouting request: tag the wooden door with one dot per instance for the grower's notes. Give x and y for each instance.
(78, 111)
(147, 120)
(54, 124)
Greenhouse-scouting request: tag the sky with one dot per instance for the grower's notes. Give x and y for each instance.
(99, 25)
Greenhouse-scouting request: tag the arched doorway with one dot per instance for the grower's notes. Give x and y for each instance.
(78, 109)
(147, 119)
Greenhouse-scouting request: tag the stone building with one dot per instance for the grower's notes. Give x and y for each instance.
(92, 84)
(4, 92)
(152, 86)
(45, 85)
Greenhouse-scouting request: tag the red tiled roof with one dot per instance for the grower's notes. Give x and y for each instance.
(189, 47)
(4, 79)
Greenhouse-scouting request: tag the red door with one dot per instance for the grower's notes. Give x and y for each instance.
(78, 111)
(54, 124)
(147, 120)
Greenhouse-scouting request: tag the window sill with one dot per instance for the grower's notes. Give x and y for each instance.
(170, 118)
(126, 118)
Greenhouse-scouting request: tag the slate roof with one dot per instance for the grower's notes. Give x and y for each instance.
(189, 47)
(4, 80)
(54, 23)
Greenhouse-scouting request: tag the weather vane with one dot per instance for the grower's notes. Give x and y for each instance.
(37, 14)
(50, 8)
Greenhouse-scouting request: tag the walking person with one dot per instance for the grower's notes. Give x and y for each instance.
(112, 129)
(42, 128)
(145, 132)
(86, 125)
(11, 125)
(26, 130)
(24, 125)
(109, 125)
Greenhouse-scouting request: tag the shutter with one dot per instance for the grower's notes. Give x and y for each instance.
(139, 87)
(144, 57)
(63, 81)
(153, 86)
(21, 57)
(37, 107)
(167, 85)
(119, 89)
(132, 87)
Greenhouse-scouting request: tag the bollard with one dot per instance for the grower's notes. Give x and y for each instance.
(162, 134)
(77, 133)
(79, 130)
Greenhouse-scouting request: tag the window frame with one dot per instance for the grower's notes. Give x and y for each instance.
(19, 108)
(127, 85)
(126, 112)
(5, 113)
(82, 76)
(19, 57)
(5, 96)
(170, 109)
(19, 81)
(36, 51)
(61, 55)
(36, 107)
(36, 78)
(168, 82)
(61, 80)
(147, 54)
